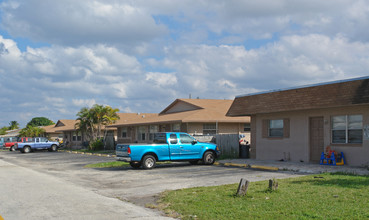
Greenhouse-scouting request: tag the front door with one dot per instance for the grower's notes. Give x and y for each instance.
(189, 148)
(316, 138)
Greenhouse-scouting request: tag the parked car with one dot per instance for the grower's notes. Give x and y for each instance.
(10, 142)
(2, 143)
(170, 146)
(38, 143)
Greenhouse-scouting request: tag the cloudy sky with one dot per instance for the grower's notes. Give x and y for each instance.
(137, 55)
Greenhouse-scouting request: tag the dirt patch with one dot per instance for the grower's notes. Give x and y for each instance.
(144, 201)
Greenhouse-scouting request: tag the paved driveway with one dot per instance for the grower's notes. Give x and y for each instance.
(137, 186)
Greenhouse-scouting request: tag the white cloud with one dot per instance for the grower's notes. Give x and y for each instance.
(71, 22)
(84, 102)
(162, 79)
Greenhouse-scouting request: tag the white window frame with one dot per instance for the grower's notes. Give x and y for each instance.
(152, 130)
(209, 129)
(141, 133)
(124, 132)
(347, 129)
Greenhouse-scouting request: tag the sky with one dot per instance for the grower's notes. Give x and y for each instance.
(139, 56)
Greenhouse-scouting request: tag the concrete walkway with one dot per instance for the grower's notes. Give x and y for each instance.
(28, 194)
(301, 167)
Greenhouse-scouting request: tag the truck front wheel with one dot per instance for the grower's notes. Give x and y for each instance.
(148, 162)
(209, 158)
(12, 148)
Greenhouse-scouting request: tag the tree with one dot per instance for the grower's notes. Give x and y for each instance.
(91, 120)
(13, 125)
(85, 123)
(40, 121)
(3, 130)
(31, 131)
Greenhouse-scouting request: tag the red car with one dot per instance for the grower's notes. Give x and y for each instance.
(11, 141)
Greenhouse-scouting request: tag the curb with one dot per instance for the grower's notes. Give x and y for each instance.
(257, 167)
(87, 153)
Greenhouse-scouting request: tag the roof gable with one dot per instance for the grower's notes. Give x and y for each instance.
(336, 94)
(179, 106)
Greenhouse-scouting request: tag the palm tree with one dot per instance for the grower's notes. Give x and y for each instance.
(91, 121)
(98, 112)
(30, 131)
(13, 125)
(109, 118)
(85, 122)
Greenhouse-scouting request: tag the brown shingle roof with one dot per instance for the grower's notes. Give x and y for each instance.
(69, 125)
(335, 94)
(51, 129)
(65, 125)
(205, 110)
(132, 117)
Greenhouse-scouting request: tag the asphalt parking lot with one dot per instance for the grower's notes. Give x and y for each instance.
(137, 186)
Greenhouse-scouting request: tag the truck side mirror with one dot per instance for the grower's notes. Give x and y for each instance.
(194, 142)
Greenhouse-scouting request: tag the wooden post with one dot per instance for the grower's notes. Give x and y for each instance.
(273, 184)
(243, 187)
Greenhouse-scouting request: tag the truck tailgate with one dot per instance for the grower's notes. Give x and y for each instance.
(122, 150)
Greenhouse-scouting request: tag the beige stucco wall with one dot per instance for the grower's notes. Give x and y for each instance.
(194, 128)
(297, 146)
(54, 136)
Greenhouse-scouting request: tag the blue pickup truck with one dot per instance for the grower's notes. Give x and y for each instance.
(38, 143)
(170, 146)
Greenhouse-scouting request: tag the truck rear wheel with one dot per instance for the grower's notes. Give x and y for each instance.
(12, 148)
(135, 165)
(148, 162)
(209, 158)
(53, 148)
(26, 150)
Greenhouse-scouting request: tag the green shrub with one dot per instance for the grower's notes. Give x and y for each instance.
(96, 145)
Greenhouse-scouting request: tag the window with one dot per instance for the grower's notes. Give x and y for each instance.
(347, 129)
(276, 128)
(209, 129)
(141, 133)
(160, 138)
(152, 130)
(77, 136)
(124, 132)
(186, 139)
(176, 127)
(173, 139)
(246, 127)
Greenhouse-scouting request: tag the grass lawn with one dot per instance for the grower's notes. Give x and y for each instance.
(331, 196)
(108, 164)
